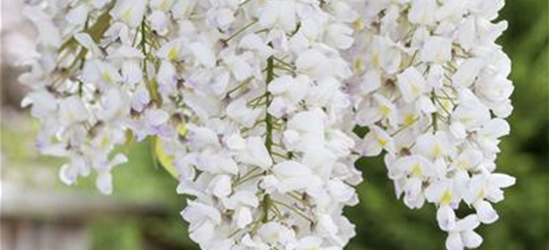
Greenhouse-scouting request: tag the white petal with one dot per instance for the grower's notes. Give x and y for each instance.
(446, 218)
(485, 212)
(243, 217)
(411, 84)
(202, 233)
(468, 223)
(292, 176)
(167, 78)
(467, 72)
(78, 15)
(454, 242)
(221, 186)
(130, 11)
(426, 105)
(104, 183)
(471, 239)
(235, 142)
(68, 174)
(502, 180)
(436, 49)
(256, 153)
(496, 128)
(203, 54)
(422, 12)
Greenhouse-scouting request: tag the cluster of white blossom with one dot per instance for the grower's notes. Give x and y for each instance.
(431, 87)
(79, 89)
(264, 154)
(246, 96)
(252, 104)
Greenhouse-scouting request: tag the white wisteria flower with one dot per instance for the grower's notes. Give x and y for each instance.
(431, 89)
(251, 105)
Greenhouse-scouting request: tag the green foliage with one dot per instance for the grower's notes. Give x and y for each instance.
(110, 234)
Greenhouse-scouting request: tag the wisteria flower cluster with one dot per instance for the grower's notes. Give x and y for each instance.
(433, 92)
(251, 105)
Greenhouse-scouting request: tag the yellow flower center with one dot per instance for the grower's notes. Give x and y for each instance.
(409, 120)
(446, 197)
(172, 54)
(127, 15)
(358, 25)
(415, 89)
(107, 76)
(382, 141)
(375, 60)
(385, 110)
(105, 142)
(437, 151)
(358, 65)
(416, 170)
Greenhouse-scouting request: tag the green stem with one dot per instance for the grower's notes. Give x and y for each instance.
(266, 207)
(268, 117)
(152, 85)
(434, 115)
(405, 127)
(284, 63)
(269, 131)
(246, 179)
(304, 216)
(144, 39)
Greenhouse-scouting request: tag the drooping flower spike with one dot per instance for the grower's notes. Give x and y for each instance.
(250, 104)
(265, 154)
(431, 86)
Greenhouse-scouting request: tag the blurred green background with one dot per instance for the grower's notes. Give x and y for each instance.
(383, 223)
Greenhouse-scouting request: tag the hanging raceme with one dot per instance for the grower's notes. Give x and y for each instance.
(431, 87)
(251, 105)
